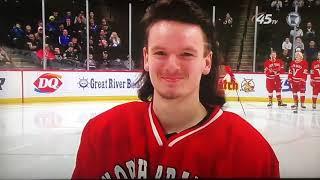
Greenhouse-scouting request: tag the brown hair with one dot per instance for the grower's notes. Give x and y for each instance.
(184, 11)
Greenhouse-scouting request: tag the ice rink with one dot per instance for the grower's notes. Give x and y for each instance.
(40, 141)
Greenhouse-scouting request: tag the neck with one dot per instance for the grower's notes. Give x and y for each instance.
(178, 114)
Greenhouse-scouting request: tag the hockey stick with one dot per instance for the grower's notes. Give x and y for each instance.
(241, 103)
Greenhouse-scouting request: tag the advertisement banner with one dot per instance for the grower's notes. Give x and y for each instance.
(254, 85)
(10, 85)
(75, 84)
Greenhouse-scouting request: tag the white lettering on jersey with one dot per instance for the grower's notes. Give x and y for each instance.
(295, 71)
(119, 171)
(142, 165)
(185, 175)
(159, 172)
(131, 169)
(318, 70)
(142, 170)
(171, 173)
(106, 176)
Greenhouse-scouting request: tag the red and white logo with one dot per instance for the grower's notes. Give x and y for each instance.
(47, 83)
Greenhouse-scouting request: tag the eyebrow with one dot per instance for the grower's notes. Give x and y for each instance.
(184, 49)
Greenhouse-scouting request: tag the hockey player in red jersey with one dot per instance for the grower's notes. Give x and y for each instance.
(226, 77)
(297, 77)
(179, 129)
(315, 80)
(273, 67)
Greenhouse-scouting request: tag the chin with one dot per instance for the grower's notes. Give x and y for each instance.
(169, 94)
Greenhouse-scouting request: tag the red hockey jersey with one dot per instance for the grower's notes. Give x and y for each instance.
(315, 71)
(129, 142)
(224, 71)
(298, 71)
(273, 69)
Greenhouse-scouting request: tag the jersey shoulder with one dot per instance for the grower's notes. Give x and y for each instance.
(245, 134)
(119, 118)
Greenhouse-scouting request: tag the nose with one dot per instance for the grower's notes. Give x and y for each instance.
(172, 64)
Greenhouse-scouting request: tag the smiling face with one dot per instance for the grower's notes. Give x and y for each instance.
(176, 58)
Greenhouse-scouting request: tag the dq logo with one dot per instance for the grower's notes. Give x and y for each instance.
(47, 83)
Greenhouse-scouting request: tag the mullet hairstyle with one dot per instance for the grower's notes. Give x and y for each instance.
(184, 11)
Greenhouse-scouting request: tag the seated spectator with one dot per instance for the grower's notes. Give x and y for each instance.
(80, 16)
(39, 35)
(49, 55)
(309, 3)
(92, 46)
(76, 44)
(299, 3)
(60, 29)
(32, 44)
(51, 25)
(102, 35)
(70, 55)
(52, 30)
(103, 23)
(114, 40)
(299, 45)
(57, 17)
(107, 30)
(276, 4)
(93, 27)
(91, 15)
(311, 52)
(64, 39)
(28, 30)
(310, 33)
(40, 24)
(68, 25)
(103, 50)
(298, 32)
(58, 54)
(67, 16)
(17, 36)
(91, 62)
(286, 4)
(79, 27)
(286, 44)
(286, 58)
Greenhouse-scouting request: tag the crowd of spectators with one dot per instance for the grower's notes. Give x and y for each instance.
(280, 36)
(66, 40)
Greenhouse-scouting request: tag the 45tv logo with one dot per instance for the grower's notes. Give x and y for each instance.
(266, 19)
(47, 83)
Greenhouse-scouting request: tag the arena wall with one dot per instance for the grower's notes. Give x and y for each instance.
(52, 86)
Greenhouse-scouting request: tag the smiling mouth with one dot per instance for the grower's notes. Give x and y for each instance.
(172, 79)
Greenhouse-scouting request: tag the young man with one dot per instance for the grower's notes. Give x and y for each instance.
(273, 67)
(315, 80)
(297, 77)
(179, 130)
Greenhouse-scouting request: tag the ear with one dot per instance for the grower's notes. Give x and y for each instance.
(145, 59)
(207, 63)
